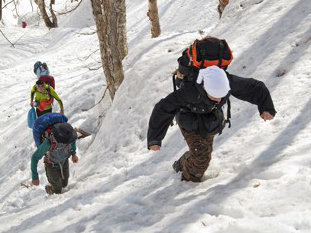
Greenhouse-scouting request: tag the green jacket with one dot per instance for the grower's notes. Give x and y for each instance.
(40, 152)
(40, 96)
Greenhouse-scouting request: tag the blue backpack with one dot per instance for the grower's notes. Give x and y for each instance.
(40, 68)
(43, 123)
(37, 65)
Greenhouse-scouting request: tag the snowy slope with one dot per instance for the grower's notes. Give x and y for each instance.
(259, 178)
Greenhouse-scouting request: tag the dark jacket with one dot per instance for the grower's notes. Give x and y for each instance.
(190, 96)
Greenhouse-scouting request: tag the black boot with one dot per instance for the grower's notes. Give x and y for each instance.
(193, 179)
(49, 189)
(177, 165)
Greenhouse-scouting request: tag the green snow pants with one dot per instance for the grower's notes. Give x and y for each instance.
(57, 176)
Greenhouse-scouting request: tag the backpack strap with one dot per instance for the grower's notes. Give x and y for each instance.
(49, 91)
(61, 170)
(174, 82)
(220, 122)
(190, 53)
(228, 113)
(53, 143)
(53, 146)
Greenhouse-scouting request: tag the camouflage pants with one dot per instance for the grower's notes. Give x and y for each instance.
(195, 162)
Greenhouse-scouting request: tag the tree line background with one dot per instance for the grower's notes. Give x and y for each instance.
(110, 19)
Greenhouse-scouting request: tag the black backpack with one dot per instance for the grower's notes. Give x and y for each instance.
(209, 51)
(202, 53)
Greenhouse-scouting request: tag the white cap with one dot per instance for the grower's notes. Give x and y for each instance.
(215, 81)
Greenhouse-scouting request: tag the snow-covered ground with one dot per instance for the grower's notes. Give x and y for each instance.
(259, 180)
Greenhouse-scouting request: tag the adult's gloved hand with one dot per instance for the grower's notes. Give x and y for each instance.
(35, 182)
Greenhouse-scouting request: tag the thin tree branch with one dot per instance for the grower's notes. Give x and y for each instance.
(88, 56)
(31, 5)
(84, 110)
(7, 4)
(66, 12)
(6, 38)
(82, 132)
(85, 34)
(21, 37)
(16, 8)
(94, 68)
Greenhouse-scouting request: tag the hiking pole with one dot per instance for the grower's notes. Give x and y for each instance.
(7, 38)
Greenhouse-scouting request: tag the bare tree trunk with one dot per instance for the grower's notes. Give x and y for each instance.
(154, 18)
(47, 21)
(16, 7)
(122, 39)
(12, 45)
(221, 6)
(110, 18)
(30, 4)
(54, 18)
(0, 9)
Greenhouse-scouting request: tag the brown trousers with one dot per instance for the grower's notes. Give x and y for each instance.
(195, 161)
